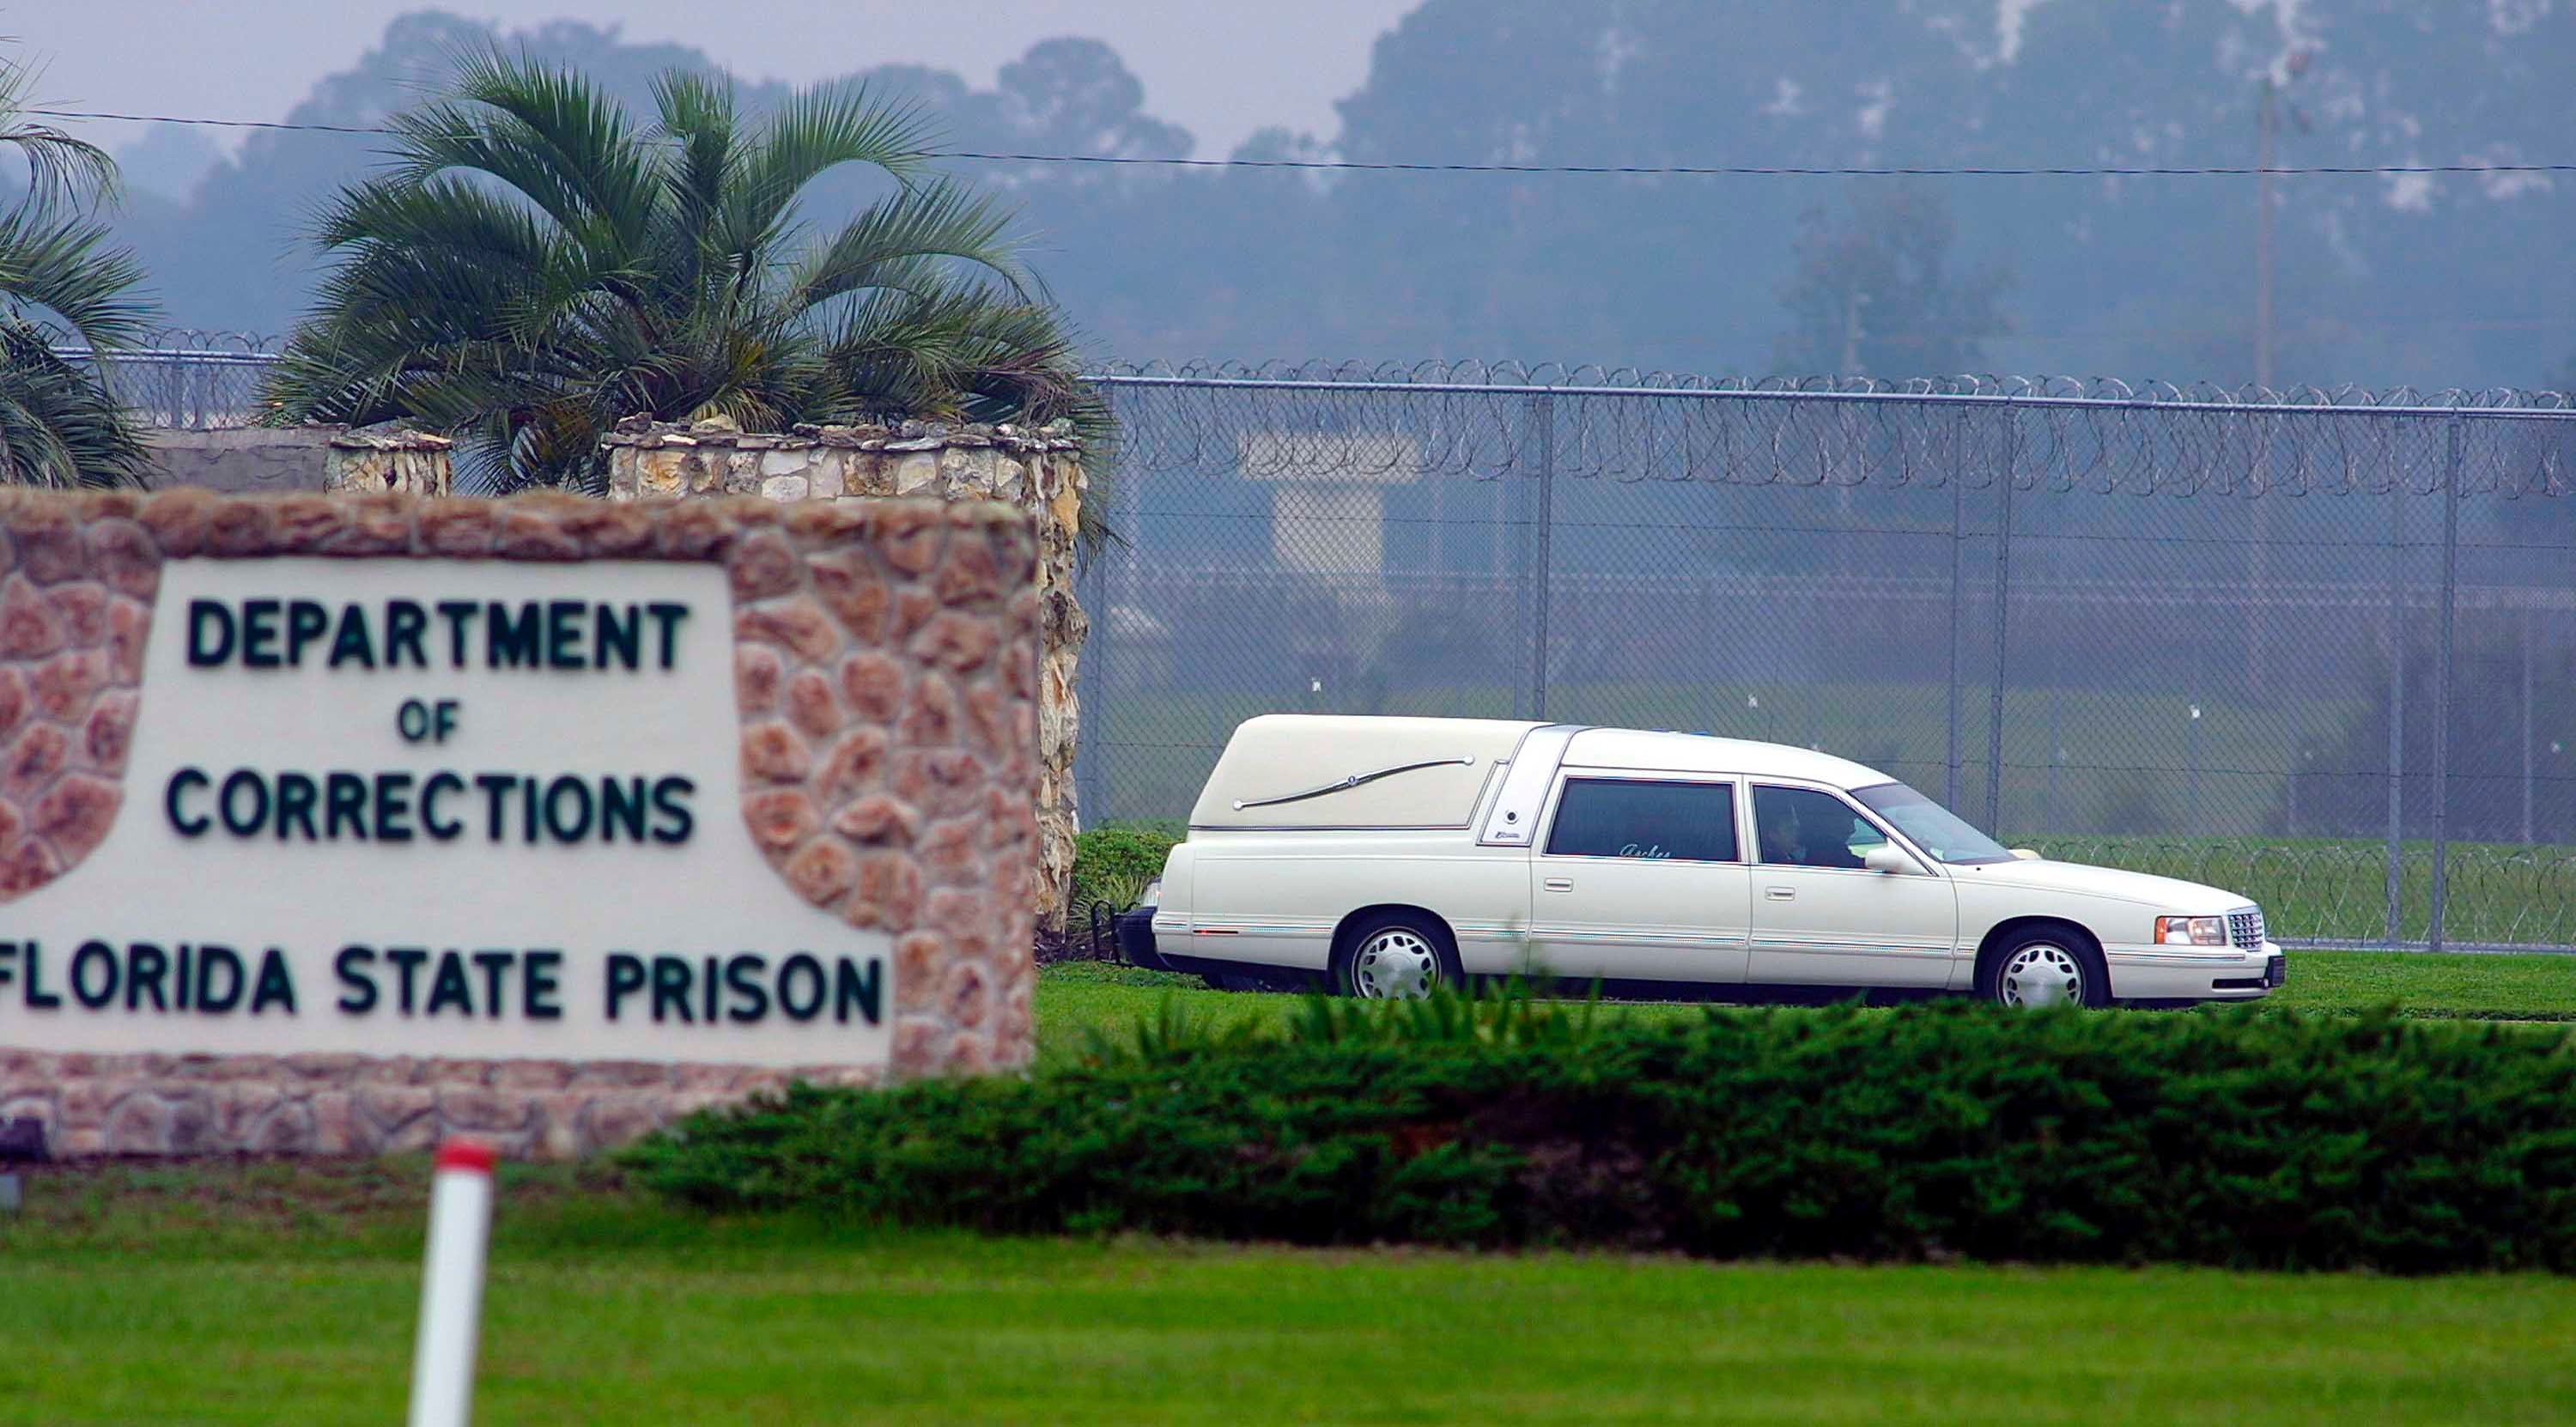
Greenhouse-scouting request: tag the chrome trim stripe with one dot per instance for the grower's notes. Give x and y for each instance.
(1855, 948)
(1825, 945)
(2185, 958)
(1623, 935)
(1918, 943)
(1355, 780)
(1327, 827)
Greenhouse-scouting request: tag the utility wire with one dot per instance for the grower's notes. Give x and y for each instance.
(1613, 170)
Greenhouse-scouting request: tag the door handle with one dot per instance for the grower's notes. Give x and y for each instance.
(1559, 884)
(1781, 894)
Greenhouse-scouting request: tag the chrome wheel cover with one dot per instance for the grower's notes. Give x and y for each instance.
(2041, 974)
(1395, 965)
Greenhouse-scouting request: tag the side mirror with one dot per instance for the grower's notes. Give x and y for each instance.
(2026, 855)
(1886, 859)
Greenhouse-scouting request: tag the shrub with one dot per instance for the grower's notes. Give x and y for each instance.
(1114, 862)
(2252, 1141)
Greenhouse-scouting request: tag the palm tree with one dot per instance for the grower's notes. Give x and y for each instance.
(534, 266)
(60, 283)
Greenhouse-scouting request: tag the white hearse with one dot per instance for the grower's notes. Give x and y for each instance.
(1391, 855)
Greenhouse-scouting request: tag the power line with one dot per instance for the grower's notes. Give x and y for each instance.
(1597, 170)
(206, 123)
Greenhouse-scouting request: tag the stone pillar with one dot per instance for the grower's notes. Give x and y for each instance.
(378, 461)
(1038, 471)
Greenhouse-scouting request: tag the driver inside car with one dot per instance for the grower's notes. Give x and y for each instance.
(1798, 840)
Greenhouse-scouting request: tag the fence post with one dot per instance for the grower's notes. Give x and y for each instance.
(1542, 421)
(1958, 596)
(2003, 607)
(2527, 613)
(2396, 709)
(1091, 675)
(2048, 821)
(2442, 679)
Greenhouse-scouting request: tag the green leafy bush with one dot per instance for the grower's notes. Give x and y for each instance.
(1114, 862)
(2269, 1140)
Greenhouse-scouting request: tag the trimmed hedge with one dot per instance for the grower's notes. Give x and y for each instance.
(2251, 1141)
(1113, 863)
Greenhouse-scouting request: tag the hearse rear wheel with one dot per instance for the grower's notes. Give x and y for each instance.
(1399, 957)
(2047, 966)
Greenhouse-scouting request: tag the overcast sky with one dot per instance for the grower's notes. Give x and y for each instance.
(1219, 68)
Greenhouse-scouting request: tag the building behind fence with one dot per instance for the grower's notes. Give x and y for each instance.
(2313, 646)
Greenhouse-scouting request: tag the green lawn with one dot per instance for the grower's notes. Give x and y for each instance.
(1076, 1000)
(2512, 988)
(283, 1293)
(278, 1295)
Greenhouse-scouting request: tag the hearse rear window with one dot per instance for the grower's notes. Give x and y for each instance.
(1645, 821)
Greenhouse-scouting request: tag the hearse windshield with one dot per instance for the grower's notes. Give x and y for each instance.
(1934, 828)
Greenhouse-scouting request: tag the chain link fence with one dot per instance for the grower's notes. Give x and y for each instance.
(2312, 646)
(190, 380)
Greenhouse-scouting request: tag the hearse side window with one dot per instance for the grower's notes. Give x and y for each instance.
(1644, 821)
(1800, 827)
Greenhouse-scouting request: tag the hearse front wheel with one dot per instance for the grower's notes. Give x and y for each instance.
(2047, 966)
(1399, 957)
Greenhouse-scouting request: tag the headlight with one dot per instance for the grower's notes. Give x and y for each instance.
(1153, 894)
(2191, 931)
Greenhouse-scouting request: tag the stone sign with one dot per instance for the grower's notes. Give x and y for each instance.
(339, 824)
(1038, 471)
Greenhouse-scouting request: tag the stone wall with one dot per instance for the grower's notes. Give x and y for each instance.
(291, 460)
(358, 1105)
(886, 677)
(395, 462)
(1040, 472)
(250, 460)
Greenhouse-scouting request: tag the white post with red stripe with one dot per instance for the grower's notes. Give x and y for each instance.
(451, 1289)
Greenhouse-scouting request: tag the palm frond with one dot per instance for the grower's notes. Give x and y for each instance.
(547, 133)
(941, 220)
(807, 136)
(58, 425)
(960, 352)
(535, 267)
(63, 267)
(698, 120)
(60, 168)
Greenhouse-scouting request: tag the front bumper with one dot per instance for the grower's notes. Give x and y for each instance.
(2164, 973)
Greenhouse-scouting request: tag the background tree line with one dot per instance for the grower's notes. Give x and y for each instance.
(2429, 280)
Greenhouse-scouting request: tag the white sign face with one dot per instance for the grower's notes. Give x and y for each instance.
(439, 808)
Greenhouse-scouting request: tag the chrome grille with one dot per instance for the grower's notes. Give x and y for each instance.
(2245, 928)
